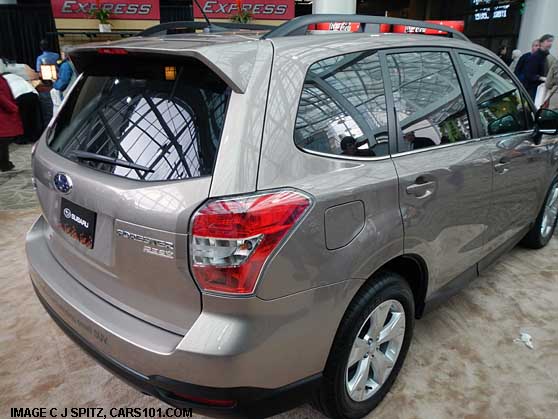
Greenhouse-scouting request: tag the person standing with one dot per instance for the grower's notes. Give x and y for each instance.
(520, 67)
(27, 100)
(46, 57)
(10, 124)
(503, 54)
(516, 55)
(535, 67)
(66, 76)
(551, 99)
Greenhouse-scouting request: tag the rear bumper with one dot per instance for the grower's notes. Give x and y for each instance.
(242, 349)
(248, 401)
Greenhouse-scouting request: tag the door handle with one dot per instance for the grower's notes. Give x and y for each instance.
(502, 165)
(421, 190)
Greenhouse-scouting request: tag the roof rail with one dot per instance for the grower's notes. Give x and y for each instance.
(164, 28)
(299, 25)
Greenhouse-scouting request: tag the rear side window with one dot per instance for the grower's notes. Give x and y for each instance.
(428, 100)
(159, 121)
(342, 108)
(501, 106)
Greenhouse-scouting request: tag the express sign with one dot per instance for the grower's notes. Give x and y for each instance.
(119, 9)
(260, 9)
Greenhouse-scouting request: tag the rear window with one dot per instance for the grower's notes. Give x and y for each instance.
(156, 121)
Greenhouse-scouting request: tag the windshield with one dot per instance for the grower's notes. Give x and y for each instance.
(166, 118)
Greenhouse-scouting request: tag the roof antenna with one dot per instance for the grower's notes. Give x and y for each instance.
(209, 24)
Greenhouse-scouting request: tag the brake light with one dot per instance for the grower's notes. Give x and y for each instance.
(231, 239)
(112, 51)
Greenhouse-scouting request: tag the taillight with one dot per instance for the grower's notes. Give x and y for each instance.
(232, 238)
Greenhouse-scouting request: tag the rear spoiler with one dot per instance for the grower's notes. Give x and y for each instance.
(232, 65)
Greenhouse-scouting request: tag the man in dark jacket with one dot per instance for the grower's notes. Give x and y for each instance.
(520, 66)
(535, 67)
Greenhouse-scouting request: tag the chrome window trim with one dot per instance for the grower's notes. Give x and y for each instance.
(343, 157)
(472, 140)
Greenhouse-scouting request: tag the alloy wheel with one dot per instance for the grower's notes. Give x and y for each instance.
(375, 350)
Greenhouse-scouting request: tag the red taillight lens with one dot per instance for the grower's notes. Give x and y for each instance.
(232, 238)
(112, 51)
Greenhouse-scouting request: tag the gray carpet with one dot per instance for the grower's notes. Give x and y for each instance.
(16, 190)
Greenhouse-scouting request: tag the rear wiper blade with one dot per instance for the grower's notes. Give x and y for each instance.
(86, 155)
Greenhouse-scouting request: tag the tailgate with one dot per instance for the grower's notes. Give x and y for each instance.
(128, 160)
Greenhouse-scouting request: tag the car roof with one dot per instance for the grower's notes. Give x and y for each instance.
(186, 41)
(223, 51)
(310, 48)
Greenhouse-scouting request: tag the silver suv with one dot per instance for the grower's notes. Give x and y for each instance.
(236, 221)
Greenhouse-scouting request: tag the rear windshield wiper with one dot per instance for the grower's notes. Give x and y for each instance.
(86, 155)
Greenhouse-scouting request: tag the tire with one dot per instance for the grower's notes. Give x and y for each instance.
(333, 398)
(538, 237)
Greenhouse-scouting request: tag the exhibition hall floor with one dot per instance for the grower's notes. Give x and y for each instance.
(464, 361)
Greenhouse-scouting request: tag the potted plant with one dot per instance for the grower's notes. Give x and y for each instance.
(242, 16)
(102, 15)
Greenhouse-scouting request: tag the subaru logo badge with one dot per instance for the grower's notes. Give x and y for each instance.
(63, 183)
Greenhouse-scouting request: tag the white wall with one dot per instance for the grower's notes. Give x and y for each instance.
(336, 6)
(541, 16)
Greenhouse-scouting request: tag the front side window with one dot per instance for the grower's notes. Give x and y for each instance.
(151, 122)
(342, 108)
(428, 100)
(498, 98)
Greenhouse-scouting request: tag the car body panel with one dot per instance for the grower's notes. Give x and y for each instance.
(446, 228)
(236, 168)
(233, 343)
(519, 189)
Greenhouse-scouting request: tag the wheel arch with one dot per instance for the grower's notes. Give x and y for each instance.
(413, 268)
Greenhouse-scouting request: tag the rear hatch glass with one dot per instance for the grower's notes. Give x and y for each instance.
(150, 122)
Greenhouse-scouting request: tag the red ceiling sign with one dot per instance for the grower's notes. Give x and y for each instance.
(458, 25)
(120, 9)
(260, 9)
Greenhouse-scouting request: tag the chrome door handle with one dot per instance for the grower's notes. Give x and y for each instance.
(421, 190)
(502, 166)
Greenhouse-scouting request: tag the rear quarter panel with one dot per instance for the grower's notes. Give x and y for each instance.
(304, 261)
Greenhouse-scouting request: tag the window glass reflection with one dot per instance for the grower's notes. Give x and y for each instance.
(428, 100)
(342, 108)
(498, 97)
(171, 129)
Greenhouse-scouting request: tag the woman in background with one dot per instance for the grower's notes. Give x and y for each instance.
(10, 124)
(27, 100)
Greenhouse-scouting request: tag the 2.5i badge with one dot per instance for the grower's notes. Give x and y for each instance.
(78, 222)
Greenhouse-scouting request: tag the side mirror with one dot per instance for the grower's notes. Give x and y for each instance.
(546, 121)
(503, 125)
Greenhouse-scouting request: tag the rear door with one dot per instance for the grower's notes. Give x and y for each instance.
(127, 161)
(444, 174)
(520, 166)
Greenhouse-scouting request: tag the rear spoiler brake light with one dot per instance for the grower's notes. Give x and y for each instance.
(112, 51)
